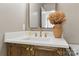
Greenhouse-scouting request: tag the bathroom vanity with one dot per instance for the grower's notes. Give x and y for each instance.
(34, 43)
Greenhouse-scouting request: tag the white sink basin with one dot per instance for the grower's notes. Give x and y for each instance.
(38, 39)
(31, 36)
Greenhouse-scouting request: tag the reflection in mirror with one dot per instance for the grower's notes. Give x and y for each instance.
(46, 9)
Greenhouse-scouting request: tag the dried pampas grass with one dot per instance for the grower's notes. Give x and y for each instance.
(56, 17)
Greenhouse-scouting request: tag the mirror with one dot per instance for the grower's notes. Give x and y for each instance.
(38, 13)
(46, 9)
(34, 15)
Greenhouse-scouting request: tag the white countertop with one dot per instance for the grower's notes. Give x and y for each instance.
(28, 37)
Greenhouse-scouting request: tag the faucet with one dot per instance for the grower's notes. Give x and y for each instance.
(45, 35)
(39, 28)
(40, 32)
(35, 34)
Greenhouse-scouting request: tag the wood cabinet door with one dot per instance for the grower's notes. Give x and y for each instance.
(25, 50)
(8, 46)
(18, 50)
(32, 51)
(13, 50)
(47, 52)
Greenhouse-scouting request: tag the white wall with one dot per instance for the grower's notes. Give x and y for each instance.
(71, 26)
(12, 17)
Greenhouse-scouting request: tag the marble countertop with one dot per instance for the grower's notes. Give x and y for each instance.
(28, 37)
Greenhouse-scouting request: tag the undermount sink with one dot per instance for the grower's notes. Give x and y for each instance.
(38, 39)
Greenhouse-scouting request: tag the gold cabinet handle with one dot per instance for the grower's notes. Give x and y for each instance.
(27, 48)
(31, 49)
(45, 34)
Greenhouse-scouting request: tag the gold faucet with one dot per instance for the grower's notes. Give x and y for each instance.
(40, 31)
(45, 34)
(30, 32)
(35, 34)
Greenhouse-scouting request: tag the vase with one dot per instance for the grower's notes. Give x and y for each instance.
(57, 30)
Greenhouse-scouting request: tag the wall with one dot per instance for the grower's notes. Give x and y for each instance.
(12, 18)
(71, 28)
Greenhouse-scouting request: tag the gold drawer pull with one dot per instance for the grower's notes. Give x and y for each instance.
(27, 48)
(31, 49)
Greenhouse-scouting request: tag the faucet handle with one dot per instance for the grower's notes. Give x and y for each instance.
(35, 34)
(45, 34)
(40, 35)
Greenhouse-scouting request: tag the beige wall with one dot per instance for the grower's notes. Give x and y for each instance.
(71, 26)
(12, 18)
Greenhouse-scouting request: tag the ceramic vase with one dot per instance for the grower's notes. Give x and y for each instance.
(57, 30)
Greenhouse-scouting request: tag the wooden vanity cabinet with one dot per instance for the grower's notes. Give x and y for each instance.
(17, 50)
(29, 50)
